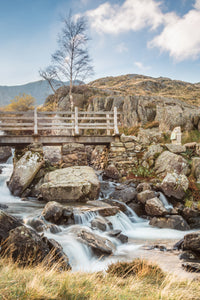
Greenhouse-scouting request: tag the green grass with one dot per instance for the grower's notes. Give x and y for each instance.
(145, 283)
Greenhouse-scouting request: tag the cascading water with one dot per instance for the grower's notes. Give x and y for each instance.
(164, 201)
(80, 255)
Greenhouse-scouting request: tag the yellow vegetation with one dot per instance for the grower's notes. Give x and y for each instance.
(21, 103)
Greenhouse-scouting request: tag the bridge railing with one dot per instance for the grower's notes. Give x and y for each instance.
(59, 123)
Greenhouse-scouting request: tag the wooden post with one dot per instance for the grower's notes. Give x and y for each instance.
(35, 121)
(76, 121)
(108, 124)
(116, 131)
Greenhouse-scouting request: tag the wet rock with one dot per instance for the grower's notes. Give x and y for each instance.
(178, 245)
(138, 208)
(3, 206)
(111, 172)
(54, 229)
(24, 172)
(118, 235)
(5, 153)
(115, 203)
(99, 245)
(175, 185)
(124, 193)
(191, 267)
(154, 207)
(143, 186)
(172, 222)
(169, 162)
(70, 184)
(37, 224)
(145, 195)
(104, 208)
(55, 213)
(26, 247)
(192, 242)
(7, 223)
(189, 256)
(101, 223)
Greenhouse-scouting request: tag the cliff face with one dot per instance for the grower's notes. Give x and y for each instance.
(140, 100)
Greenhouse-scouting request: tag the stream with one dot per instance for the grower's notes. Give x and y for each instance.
(80, 256)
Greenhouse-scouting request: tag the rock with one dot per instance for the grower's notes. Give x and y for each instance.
(153, 152)
(196, 168)
(117, 204)
(70, 184)
(74, 154)
(154, 207)
(189, 256)
(172, 222)
(191, 267)
(176, 148)
(192, 242)
(175, 185)
(3, 206)
(26, 247)
(127, 138)
(55, 213)
(54, 229)
(24, 172)
(124, 193)
(145, 195)
(118, 235)
(101, 223)
(143, 186)
(37, 224)
(7, 223)
(138, 208)
(52, 154)
(70, 148)
(5, 153)
(103, 208)
(169, 162)
(99, 245)
(178, 245)
(111, 172)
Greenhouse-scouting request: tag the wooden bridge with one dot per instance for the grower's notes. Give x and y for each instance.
(55, 128)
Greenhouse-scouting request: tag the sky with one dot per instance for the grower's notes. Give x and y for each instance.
(149, 37)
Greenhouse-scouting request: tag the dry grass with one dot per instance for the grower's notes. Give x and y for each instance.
(37, 283)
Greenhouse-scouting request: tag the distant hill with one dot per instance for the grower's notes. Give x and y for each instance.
(38, 89)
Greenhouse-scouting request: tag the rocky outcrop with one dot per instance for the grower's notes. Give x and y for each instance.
(175, 185)
(70, 184)
(169, 162)
(24, 172)
(5, 153)
(172, 222)
(53, 154)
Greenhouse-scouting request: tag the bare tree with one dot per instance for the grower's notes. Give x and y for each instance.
(71, 61)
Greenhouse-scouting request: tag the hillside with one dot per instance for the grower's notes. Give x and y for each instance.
(134, 84)
(40, 90)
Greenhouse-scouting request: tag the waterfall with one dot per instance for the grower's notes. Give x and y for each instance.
(83, 217)
(164, 201)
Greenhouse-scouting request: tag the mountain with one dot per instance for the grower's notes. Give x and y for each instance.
(40, 90)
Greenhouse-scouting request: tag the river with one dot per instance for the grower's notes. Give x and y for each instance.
(80, 256)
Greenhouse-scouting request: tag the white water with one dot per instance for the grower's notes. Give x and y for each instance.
(164, 201)
(80, 256)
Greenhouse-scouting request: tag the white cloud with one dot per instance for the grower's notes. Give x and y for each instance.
(121, 48)
(140, 66)
(180, 36)
(131, 15)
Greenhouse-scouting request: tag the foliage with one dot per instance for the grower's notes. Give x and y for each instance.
(143, 172)
(33, 283)
(191, 136)
(194, 188)
(21, 103)
(129, 130)
(153, 124)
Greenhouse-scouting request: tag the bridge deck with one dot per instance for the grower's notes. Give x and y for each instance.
(55, 140)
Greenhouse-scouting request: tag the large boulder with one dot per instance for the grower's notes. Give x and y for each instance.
(145, 195)
(154, 207)
(192, 242)
(98, 244)
(52, 154)
(7, 223)
(24, 172)
(175, 185)
(55, 213)
(5, 153)
(70, 184)
(26, 247)
(169, 162)
(172, 222)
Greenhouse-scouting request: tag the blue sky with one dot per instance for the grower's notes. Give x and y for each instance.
(150, 37)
